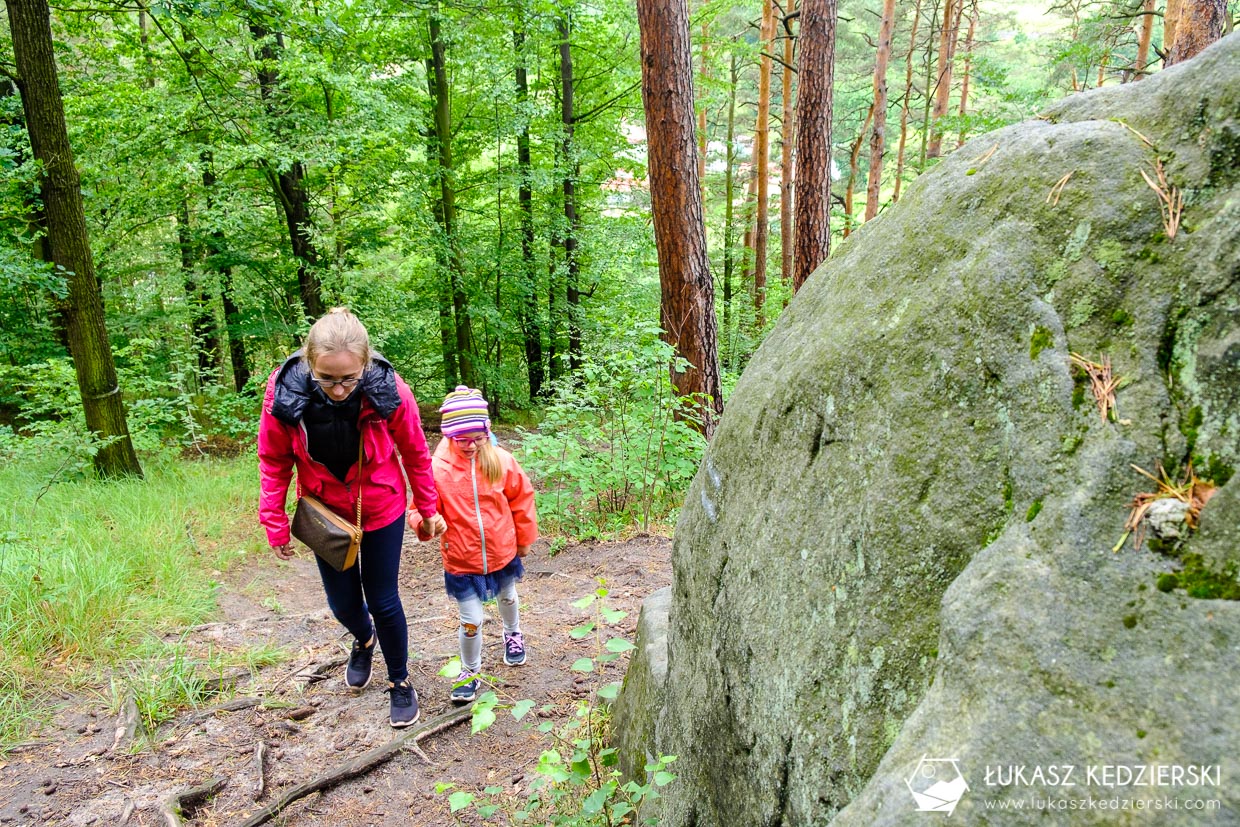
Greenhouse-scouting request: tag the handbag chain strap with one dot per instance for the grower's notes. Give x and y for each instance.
(360, 441)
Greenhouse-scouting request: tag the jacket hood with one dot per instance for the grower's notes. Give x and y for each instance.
(294, 386)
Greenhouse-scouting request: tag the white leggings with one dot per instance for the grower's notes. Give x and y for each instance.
(472, 618)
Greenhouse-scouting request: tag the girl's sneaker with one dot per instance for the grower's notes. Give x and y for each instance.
(514, 649)
(465, 689)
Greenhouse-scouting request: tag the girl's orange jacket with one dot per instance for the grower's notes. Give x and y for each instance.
(486, 523)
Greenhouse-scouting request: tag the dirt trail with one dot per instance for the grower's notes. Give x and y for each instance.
(307, 719)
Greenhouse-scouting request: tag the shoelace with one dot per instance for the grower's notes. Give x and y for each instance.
(515, 644)
(402, 694)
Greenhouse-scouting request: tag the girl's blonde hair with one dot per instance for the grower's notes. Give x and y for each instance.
(489, 462)
(338, 331)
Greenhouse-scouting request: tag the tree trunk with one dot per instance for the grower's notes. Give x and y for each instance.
(289, 184)
(531, 329)
(928, 97)
(729, 191)
(749, 212)
(61, 190)
(1171, 16)
(445, 209)
(688, 302)
(762, 164)
(968, 66)
(216, 251)
(904, 106)
(813, 113)
(943, 82)
(787, 137)
(1143, 40)
(572, 288)
(206, 341)
(854, 162)
(705, 97)
(878, 138)
(1200, 24)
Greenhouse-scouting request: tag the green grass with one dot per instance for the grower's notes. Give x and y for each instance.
(94, 574)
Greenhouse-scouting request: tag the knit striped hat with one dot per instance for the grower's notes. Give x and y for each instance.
(464, 410)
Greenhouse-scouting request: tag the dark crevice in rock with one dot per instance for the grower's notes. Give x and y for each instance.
(781, 786)
(824, 435)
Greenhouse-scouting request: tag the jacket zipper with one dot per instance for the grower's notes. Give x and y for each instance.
(482, 535)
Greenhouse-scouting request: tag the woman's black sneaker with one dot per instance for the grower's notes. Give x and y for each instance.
(357, 673)
(403, 704)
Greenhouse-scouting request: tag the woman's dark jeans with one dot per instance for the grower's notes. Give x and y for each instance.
(370, 589)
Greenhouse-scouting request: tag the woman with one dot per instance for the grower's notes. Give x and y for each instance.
(323, 405)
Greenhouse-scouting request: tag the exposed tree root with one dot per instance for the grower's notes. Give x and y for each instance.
(362, 764)
(176, 805)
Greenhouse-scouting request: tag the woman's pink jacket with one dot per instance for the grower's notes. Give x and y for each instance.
(387, 445)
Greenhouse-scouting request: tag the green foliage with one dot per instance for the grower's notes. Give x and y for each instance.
(578, 781)
(614, 448)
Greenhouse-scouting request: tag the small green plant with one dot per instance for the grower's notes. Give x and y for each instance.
(578, 783)
(616, 446)
(605, 650)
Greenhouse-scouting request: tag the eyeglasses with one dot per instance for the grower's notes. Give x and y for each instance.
(471, 440)
(328, 384)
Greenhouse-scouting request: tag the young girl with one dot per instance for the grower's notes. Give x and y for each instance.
(488, 503)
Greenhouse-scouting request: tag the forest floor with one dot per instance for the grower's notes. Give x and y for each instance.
(302, 721)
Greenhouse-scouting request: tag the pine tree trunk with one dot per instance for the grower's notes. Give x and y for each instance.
(854, 163)
(813, 154)
(1200, 24)
(762, 165)
(928, 97)
(787, 137)
(704, 96)
(968, 67)
(572, 223)
(1171, 17)
(905, 104)
(1143, 40)
(531, 328)
(943, 81)
(60, 187)
(688, 303)
(749, 213)
(878, 137)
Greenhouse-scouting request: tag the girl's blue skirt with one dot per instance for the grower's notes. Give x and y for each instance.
(483, 586)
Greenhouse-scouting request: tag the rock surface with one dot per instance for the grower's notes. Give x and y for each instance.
(899, 545)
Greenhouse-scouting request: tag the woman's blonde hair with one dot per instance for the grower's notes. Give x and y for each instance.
(338, 331)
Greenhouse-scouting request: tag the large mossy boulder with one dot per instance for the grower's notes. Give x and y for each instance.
(901, 541)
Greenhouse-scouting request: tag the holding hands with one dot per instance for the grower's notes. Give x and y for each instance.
(428, 528)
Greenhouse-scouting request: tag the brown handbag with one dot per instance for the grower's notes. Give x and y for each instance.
(330, 536)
